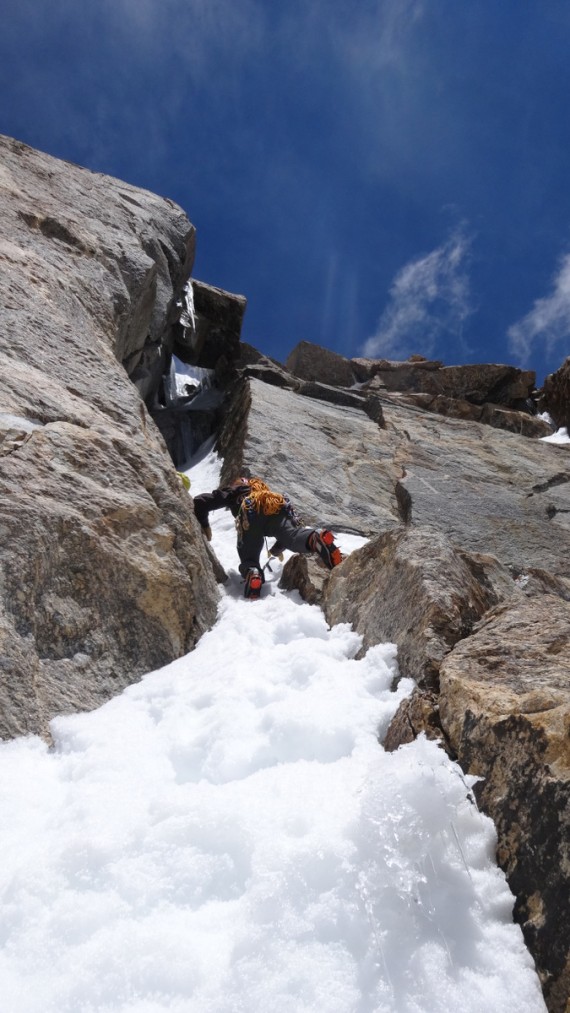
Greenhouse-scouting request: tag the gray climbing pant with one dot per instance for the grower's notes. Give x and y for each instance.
(278, 526)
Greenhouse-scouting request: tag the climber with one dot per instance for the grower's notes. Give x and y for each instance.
(258, 513)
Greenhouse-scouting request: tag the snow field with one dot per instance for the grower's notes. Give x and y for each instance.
(228, 836)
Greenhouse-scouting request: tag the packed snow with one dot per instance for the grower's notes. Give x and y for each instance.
(560, 436)
(228, 836)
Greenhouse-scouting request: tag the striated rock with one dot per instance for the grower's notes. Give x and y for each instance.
(327, 457)
(477, 384)
(411, 587)
(104, 574)
(368, 403)
(325, 392)
(490, 491)
(555, 395)
(490, 414)
(505, 707)
(77, 246)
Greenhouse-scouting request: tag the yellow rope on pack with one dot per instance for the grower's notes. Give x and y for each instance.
(263, 499)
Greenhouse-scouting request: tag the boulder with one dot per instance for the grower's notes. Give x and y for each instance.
(555, 395)
(251, 362)
(537, 581)
(495, 395)
(411, 587)
(514, 421)
(103, 570)
(505, 708)
(305, 575)
(417, 714)
(250, 356)
(420, 711)
(215, 334)
(311, 362)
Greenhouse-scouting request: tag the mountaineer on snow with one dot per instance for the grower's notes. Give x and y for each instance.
(259, 513)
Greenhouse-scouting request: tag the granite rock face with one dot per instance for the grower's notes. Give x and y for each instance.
(104, 574)
(505, 707)
(411, 587)
(326, 456)
(490, 492)
(78, 247)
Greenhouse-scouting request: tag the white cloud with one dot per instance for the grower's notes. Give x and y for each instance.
(380, 39)
(201, 41)
(429, 301)
(548, 321)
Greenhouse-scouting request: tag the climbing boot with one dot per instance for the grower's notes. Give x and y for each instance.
(322, 542)
(253, 582)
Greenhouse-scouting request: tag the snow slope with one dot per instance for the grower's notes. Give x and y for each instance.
(228, 836)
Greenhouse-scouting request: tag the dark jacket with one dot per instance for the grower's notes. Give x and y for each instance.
(227, 496)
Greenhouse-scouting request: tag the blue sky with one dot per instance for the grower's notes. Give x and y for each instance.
(387, 176)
